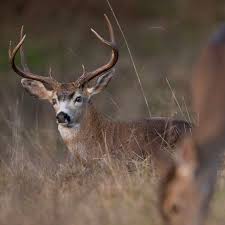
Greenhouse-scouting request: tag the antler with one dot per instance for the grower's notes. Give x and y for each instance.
(26, 72)
(84, 78)
(22, 57)
(87, 76)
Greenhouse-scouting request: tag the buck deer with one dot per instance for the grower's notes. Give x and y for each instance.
(85, 131)
(188, 186)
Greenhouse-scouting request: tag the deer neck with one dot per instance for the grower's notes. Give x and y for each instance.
(85, 135)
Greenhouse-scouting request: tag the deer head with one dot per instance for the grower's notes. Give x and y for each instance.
(68, 99)
(189, 183)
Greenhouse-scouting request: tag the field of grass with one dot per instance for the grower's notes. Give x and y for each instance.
(36, 187)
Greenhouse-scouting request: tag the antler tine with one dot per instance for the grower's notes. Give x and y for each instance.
(113, 60)
(83, 68)
(50, 72)
(25, 73)
(22, 57)
(111, 32)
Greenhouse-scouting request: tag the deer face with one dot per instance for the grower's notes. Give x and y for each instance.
(68, 102)
(185, 189)
(182, 202)
(69, 107)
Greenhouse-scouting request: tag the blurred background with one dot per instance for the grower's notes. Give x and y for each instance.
(165, 39)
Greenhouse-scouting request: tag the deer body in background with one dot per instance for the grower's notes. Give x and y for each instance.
(188, 186)
(85, 131)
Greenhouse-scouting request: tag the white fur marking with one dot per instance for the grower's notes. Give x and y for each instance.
(69, 137)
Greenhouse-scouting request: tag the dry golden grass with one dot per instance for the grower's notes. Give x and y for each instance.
(38, 188)
(104, 193)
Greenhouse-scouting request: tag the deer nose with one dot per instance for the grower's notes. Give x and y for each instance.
(62, 117)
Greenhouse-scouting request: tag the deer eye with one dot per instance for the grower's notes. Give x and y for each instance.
(78, 99)
(54, 101)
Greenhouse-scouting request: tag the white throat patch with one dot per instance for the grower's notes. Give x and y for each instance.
(69, 133)
(69, 137)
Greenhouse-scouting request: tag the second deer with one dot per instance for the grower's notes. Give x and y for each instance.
(87, 132)
(188, 186)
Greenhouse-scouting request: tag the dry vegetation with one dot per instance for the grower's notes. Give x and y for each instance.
(35, 188)
(41, 184)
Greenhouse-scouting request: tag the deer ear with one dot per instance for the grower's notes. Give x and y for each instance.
(101, 83)
(186, 158)
(36, 88)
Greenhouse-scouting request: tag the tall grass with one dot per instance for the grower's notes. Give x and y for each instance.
(40, 186)
(35, 188)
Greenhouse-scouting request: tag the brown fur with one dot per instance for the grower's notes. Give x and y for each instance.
(135, 139)
(187, 188)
